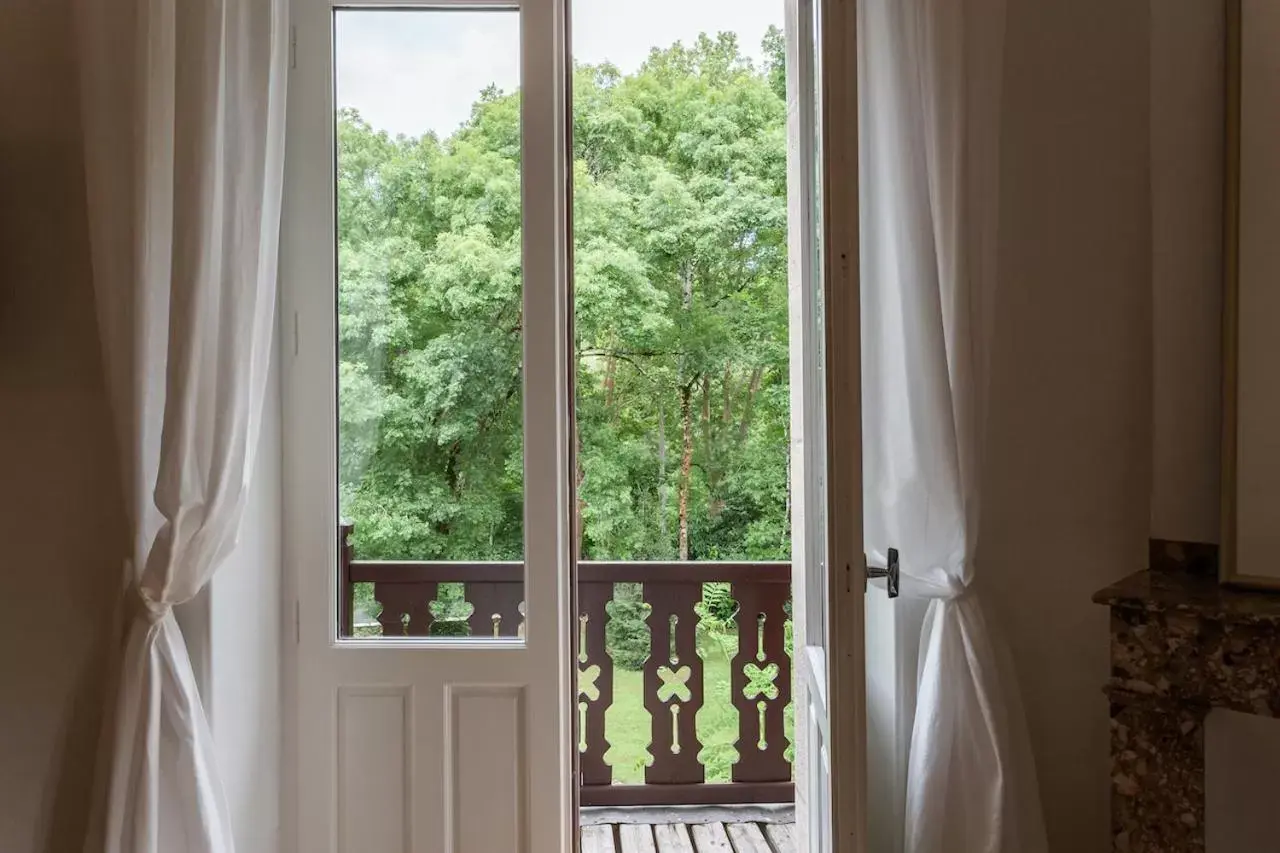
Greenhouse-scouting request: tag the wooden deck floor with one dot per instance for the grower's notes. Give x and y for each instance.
(689, 829)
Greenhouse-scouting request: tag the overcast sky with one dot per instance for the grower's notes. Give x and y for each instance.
(412, 71)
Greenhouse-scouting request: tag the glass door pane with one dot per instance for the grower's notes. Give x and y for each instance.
(430, 336)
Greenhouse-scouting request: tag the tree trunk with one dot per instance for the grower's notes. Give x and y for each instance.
(610, 382)
(786, 517)
(686, 465)
(580, 505)
(709, 455)
(757, 376)
(662, 477)
(726, 397)
(712, 457)
(686, 421)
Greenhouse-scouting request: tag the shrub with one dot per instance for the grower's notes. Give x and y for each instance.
(626, 634)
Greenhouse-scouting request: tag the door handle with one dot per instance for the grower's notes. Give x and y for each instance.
(889, 573)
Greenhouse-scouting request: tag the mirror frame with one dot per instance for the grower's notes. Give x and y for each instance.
(1230, 296)
(1227, 569)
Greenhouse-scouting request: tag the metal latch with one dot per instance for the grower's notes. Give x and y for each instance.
(889, 573)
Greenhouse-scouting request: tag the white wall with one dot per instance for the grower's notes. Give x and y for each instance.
(61, 521)
(1069, 464)
(243, 688)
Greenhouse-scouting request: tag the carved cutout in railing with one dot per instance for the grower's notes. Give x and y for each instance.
(673, 683)
(592, 600)
(762, 619)
(673, 673)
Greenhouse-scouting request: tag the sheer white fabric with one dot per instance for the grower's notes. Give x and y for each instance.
(931, 88)
(183, 109)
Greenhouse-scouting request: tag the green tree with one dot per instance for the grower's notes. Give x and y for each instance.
(680, 315)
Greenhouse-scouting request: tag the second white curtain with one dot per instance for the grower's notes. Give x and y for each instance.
(183, 105)
(931, 91)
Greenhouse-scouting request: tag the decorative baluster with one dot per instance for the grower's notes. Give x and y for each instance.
(673, 683)
(785, 671)
(347, 595)
(420, 618)
(497, 609)
(397, 603)
(595, 676)
(761, 682)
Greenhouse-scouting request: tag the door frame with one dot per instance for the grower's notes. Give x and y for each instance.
(829, 403)
(549, 247)
(839, 71)
(307, 336)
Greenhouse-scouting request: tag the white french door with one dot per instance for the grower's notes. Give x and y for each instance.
(410, 742)
(829, 570)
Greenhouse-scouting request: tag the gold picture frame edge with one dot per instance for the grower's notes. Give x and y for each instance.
(1227, 569)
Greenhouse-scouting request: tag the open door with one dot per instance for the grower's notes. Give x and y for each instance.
(434, 673)
(829, 570)
(424, 726)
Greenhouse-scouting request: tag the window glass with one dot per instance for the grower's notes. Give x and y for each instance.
(430, 447)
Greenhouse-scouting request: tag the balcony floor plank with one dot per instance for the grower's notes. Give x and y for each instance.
(673, 838)
(711, 838)
(637, 838)
(782, 836)
(598, 839)
(747, 838)
(686, 830)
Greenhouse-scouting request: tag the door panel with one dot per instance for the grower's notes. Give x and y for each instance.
(826, 425)
(374, 779)
(485, 722)
(428, 744)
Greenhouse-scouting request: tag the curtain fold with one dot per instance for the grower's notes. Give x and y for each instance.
(931, 91)
(183, 120)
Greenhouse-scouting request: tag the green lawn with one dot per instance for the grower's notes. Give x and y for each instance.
(627, 722)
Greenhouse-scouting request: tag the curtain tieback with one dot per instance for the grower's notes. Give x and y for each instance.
(937, 584)
(151, 610)
(957, 589)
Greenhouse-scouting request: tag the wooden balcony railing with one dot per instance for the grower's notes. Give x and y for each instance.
(673, 677)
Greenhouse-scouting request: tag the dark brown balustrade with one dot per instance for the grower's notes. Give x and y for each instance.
(673, 678)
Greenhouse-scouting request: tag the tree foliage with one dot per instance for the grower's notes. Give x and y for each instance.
(680, 315)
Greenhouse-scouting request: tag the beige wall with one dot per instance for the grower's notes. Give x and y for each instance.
(60, 512)
(1069, 462)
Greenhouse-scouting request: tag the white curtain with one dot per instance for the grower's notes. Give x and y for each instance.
(183, 119)
(931, 87)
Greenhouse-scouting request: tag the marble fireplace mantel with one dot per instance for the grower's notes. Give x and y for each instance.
(1181, 645)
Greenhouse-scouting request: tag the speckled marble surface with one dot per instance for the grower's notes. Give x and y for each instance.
(1157, 778)
(1199, 595)
(1181, 644)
